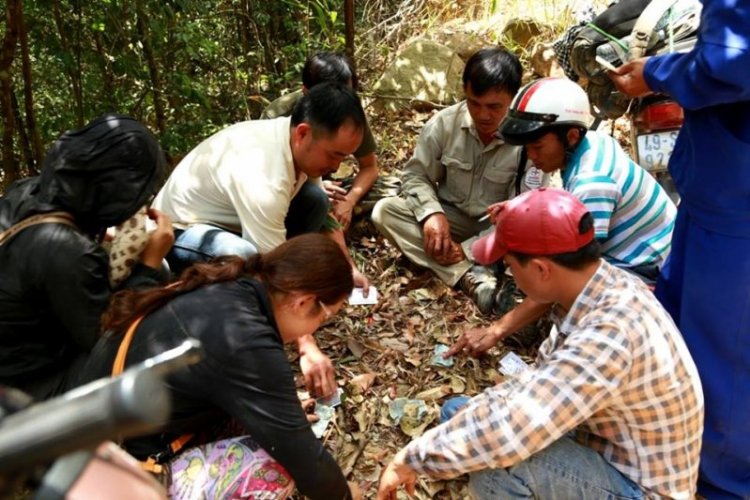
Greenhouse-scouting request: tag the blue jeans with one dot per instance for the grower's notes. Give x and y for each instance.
(202, 242)
(565, 470)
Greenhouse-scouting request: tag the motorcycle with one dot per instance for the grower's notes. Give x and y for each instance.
(628, 30)
(71, 433)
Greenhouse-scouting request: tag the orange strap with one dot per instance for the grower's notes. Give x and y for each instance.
(122, 352)
(150, 464)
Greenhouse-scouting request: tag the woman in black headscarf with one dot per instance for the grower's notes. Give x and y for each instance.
(54, 283)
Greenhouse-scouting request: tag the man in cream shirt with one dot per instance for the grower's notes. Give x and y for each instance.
(249, 187)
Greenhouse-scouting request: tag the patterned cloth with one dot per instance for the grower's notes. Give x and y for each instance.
(563, 46)
(616, 375)
(633, 215)
(131, 238)
(228, 469)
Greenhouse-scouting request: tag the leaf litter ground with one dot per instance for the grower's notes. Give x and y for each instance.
(384, 352)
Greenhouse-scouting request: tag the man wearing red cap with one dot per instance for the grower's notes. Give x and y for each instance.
(633, 215)
(613, 405)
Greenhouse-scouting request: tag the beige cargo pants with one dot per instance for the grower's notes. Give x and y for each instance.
(395, 220)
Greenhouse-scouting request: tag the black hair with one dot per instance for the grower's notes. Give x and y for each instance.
(493, 68)
(327, 107)
(328, 67)
(577, 260)
(570, 149)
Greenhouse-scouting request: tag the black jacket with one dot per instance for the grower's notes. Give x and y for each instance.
(53, 278)
(244, 374)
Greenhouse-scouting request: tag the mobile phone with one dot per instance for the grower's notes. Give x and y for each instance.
(605, 64)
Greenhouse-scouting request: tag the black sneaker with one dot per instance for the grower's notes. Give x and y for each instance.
(480, 283)
(509, 296)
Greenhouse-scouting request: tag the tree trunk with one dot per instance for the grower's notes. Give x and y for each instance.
(153, 69)
(75, 81)
(349, 29)
(28, 99)
(7, 54)
(23, 137)
(107, 78)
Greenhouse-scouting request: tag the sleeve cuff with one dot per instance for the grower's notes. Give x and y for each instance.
(425, 212)
(648, 74)
(466, 245)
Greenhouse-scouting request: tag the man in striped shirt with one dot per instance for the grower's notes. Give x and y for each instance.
(633, 215)
(613, 406)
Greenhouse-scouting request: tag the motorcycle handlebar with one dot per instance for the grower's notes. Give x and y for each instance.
(133, 404)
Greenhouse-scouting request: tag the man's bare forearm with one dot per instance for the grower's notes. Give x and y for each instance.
(365, 178)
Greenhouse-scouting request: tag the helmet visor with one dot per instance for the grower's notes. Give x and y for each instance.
(519, 131)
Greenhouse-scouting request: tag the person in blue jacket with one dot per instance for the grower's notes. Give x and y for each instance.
(705, 284)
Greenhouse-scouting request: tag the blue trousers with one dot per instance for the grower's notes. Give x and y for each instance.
(202, 242)
(565, 470)
(705, 286)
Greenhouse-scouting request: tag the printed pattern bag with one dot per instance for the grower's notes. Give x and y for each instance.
(131, 238)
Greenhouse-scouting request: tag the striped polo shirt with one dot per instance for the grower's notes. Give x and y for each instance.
(633, 215)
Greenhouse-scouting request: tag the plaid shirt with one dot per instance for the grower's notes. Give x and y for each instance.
(616, 373)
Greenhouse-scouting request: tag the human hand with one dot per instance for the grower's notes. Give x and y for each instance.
(343, 211)
(494, 210)
(334, 191)
(396, 474)
(629, 78)
(159, 241)
(437, 236)
(317, 369)
(454, 255)
(475, 342)
(361, 281)
(356, 491)
(308, 406)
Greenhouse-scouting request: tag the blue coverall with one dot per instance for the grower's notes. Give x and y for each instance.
(705, 284)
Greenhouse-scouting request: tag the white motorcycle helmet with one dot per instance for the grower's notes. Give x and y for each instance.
(543, 105)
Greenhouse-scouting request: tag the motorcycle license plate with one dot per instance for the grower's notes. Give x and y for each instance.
(654, 150)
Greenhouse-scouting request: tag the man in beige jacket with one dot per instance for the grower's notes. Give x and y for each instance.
(459, 168)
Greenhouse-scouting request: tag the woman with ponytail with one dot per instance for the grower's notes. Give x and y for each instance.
(243, 312)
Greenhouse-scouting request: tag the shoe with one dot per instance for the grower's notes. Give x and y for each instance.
(480, 283)
(507, 298)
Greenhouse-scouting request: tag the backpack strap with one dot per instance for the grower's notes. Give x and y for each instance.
(521, 170)
(151, 464)
(644, 26)
(50, 217)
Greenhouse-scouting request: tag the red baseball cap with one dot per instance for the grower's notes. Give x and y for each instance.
(542, 221)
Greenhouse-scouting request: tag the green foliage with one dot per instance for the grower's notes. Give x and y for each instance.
(189, 67)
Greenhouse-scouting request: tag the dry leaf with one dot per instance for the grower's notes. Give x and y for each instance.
(355, 347)
(394, 344)
(458, 386)
(362, 382)
(434, 393)
(413, 423)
